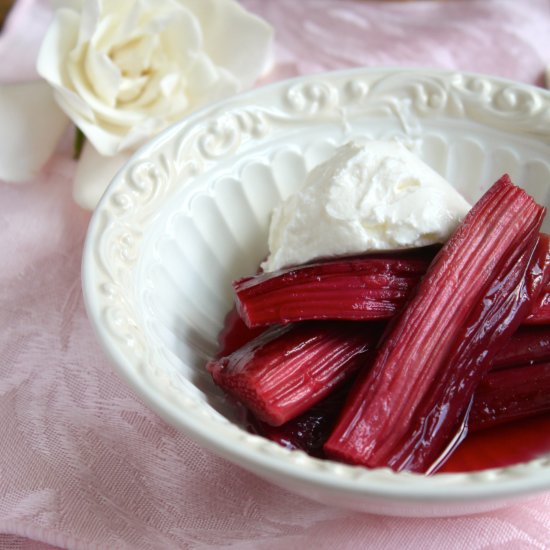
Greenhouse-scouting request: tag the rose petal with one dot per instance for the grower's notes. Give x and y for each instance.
(154, 102)
(234, 38)
(89, 19)
(208, 83)
(139, 134)
(180, 34)
(98, 109)
(169, 83)
(131, 88)
(60, 40)
(75, 5)
(73, 105)
(93, 175)
(103, 75)
(32, 125)
(109, 30)
(126, 13)
(133, 57)
(105, 138)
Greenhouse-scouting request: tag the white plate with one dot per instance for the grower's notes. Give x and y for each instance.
(190, 211)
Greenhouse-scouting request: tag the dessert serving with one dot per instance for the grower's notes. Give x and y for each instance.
(388, 359)
(190, 214)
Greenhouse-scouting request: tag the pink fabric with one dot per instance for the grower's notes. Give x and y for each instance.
(83, 463)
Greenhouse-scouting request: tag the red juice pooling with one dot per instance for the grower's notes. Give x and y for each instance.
(501, 446)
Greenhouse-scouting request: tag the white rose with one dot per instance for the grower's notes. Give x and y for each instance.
(123, 70)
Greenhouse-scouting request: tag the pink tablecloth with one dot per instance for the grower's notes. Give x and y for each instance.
(83, 463)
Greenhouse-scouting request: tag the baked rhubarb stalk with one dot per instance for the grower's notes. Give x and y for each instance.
(286, 370)
(353, 289)
(488, 330)
(529, 344)
(410, 407)
(517, 393)
(539, 313)
(369, 287)
(512, 394)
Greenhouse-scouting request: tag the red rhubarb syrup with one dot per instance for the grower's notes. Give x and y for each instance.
(496, 447)
(235, 334)
(500, 446)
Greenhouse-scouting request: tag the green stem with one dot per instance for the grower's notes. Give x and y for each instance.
(78, 143)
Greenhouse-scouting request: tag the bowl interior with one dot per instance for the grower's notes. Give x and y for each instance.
(216, 231)
(190, 213)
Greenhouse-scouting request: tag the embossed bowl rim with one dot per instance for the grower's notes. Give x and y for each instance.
(266, 458)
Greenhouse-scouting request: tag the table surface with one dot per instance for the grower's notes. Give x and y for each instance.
(83, 462)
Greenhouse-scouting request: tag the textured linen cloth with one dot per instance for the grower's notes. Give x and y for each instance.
(84, 463)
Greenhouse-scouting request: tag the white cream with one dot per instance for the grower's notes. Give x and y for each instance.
(368, 197)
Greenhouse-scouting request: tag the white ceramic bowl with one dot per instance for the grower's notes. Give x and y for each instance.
(190, 212)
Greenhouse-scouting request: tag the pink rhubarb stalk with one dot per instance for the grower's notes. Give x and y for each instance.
(529, 344)
(353, 289)
(517, 393)
(286, 370)
(512, 394)
(361, 288)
